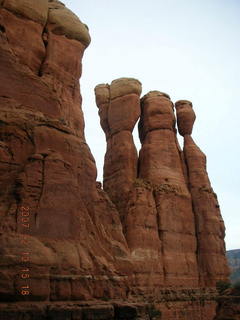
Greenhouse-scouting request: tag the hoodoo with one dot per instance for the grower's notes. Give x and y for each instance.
(150, 243)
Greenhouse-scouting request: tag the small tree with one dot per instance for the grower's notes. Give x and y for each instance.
(154, 313)
(236, 288)
(222, 286)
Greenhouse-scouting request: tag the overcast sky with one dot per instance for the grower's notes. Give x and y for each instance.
(189, 49)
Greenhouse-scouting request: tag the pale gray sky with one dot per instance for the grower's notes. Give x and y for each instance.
(189, 49)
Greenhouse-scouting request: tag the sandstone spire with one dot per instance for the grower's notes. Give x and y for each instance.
(209, 224)
(160, 164)
(119, 110)
(130, 249)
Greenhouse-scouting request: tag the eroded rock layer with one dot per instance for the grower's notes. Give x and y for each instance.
(151, 241)
(73, 229)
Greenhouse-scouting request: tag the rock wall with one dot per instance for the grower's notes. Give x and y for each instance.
(150, 242)
(73, 230)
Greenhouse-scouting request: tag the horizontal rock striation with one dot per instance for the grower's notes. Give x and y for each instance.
(51, 207)
(150, 242)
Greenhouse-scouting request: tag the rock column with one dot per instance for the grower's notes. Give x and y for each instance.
(210, 228)
(160, 164)
(119, 110)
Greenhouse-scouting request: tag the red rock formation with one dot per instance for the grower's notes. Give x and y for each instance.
(46, 165)
(229, 304)
(209, 224)
(160, 164)
(185, 117)
(119, 110)
(63, 238)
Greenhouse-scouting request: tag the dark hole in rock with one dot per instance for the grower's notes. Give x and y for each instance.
(2, 29)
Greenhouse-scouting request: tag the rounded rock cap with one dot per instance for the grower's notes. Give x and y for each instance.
(67, 23)
(102, 93)
(123, 86)
(153, 94)
(63, 21)
(182, 102)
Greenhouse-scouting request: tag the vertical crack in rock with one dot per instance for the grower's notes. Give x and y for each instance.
(29, 135)
(161, 240)
(198, 243)
(45, 36)
(45, 41)
(41, 190)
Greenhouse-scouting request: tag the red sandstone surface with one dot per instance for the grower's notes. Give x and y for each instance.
(152, 240)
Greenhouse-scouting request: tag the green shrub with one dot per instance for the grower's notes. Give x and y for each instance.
(154, 313)
(222, 286)
(236, 287)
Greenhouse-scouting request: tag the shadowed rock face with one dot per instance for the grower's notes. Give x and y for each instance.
(155, 231)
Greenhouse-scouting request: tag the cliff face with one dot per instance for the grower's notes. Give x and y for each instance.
(153, 234)
(46, 165)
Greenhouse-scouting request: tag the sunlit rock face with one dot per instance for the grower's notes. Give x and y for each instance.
(153, 235)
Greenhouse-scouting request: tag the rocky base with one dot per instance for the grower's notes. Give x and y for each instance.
(171, 305)
(108, 311)
(228, 308)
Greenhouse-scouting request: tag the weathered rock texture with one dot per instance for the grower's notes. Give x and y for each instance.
(119, 110)
(74, 229)
(210, 230)
(160, 164)
(229, 304)
(171, 219)
(154, 234)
